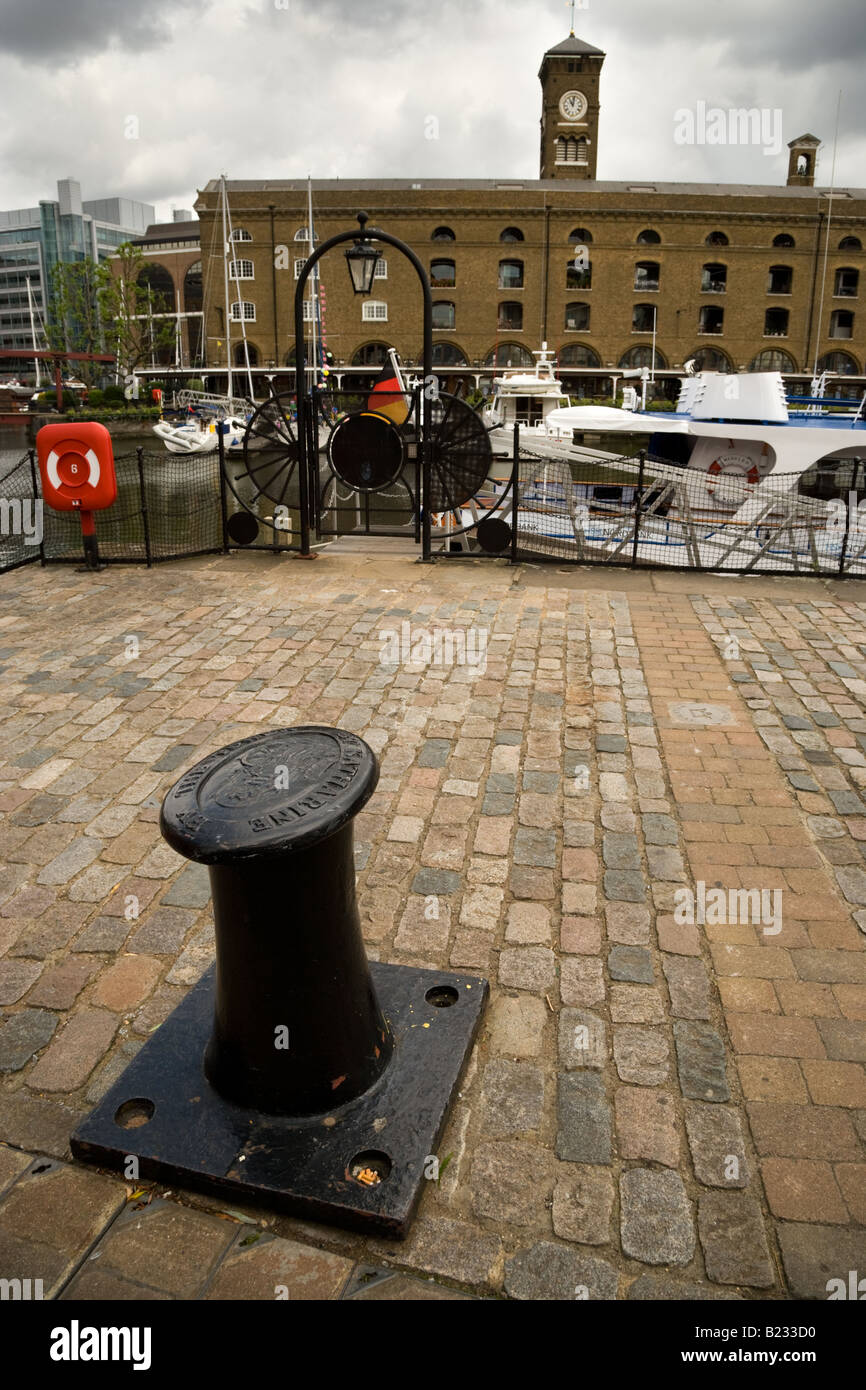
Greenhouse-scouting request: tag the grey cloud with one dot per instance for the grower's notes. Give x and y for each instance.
(47, 32)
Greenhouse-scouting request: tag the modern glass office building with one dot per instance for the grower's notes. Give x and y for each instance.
(34, 240)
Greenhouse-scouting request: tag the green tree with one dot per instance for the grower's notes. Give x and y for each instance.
(103, 308)
(74, 317)
(130, 311)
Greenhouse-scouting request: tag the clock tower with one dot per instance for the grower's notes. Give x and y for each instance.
(569, 77)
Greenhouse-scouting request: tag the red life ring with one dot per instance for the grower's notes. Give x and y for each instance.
(715, 470)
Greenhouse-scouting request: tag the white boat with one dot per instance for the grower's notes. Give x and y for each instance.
(17, 388)
(200, 435)
(745, 439)
(735, 503)
(529, 398)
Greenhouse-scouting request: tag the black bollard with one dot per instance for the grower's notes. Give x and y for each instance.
(297, 1026)
(294, 1072)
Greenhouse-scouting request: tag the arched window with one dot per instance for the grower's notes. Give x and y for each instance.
(716, 239)
(846, 283)
(711, 319)
(707, 359)
(243, 309)
(240, 234)
(244, 353)
(773, 360)
(511, 275)
(578, 355)
(509, 355)
(577, 318)
(783, 239)
(840, 362)
(841, 323)
(371, 355)
(442, 234)
(643, 317)
(642, 357)
(241, 270)
(850, 243)
(511, 234)
(192, 304)
(776, 323)
(442, 273)
(381, 270)
(578, 279)
(302, 234)
(780, 278)
(714, 278)
(646, 275)
(374, 311)
(449, 355)
(443, 314)
(510, 316)
(192, 288)
(580, 236)
(648, 237)
(157, 279)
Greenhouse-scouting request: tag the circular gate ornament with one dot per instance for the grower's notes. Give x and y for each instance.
(494, 534)
(365, 451)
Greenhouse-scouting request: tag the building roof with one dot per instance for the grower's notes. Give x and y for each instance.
(571, 45)
(804, 140)
(578, 187)
(172, 231)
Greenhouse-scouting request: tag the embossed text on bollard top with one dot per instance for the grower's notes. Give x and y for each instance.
(294, 1071)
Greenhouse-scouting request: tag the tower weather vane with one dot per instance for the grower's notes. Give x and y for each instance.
(571, 4)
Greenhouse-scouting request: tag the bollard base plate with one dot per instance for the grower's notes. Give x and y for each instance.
(163, 1113)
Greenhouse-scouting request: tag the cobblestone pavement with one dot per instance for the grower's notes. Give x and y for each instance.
(641, 815)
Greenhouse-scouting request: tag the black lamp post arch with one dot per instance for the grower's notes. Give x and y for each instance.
(363, 235)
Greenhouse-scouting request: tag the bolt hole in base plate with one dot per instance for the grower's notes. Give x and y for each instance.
(442, 996)
(132, 1114)
(163, 1111)
(371, 1168)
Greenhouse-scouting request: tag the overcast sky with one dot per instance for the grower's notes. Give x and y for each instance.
(283, 88)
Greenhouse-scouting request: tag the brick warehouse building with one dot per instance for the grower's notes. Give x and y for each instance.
(730, 275)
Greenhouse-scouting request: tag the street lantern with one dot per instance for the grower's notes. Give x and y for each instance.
(361, 258)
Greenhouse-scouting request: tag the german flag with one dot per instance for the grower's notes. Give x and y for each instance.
(387, 398)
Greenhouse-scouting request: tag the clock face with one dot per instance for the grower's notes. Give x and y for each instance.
(573, 105)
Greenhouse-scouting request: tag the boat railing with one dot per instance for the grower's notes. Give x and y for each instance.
(830, 407)
(208, 401)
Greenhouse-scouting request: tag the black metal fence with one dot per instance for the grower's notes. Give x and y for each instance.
(168, 507)
(639, 512)
(647, 512)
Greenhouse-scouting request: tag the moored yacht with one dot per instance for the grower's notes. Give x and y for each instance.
(528, 397)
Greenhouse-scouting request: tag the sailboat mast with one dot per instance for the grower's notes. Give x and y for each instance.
(313, 280)
(234, 245)
(226, 253)
(33, 331)
(827, 240)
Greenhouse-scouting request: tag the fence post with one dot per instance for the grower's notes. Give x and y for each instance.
(416, 407)
(637, 500)
(224, 510)
(852, 494)
(515, 486)
(139, 458)
(34, 481)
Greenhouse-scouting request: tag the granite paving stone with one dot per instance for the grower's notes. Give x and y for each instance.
(634, 1073)
(547, 1271)
(656, 1217)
